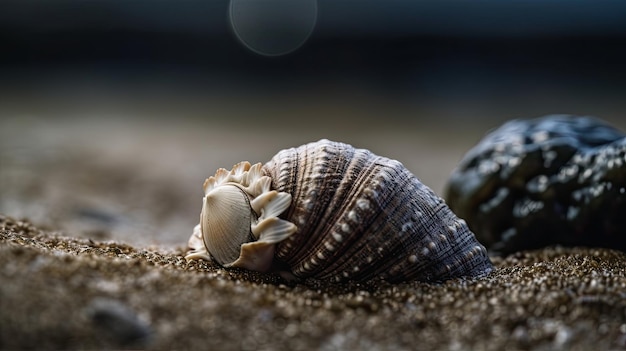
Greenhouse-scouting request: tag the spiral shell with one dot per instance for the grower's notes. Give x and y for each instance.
(327, 210)
(557, 179)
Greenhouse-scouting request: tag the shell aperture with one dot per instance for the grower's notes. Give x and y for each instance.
(227, 216)
(350, 215)
(239, 222)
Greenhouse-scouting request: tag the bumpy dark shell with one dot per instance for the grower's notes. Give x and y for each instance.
(361, 216)
(552, 180)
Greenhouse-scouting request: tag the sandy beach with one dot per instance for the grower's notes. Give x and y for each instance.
(96, 214)
(67, 293)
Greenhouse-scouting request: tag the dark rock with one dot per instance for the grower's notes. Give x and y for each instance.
(553, 180)
(118, 323)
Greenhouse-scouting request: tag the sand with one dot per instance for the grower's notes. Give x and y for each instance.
(66, 293)
(95, 215)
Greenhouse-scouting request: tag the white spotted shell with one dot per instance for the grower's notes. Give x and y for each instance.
(330, 211)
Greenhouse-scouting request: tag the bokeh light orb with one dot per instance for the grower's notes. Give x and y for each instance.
(273, 27)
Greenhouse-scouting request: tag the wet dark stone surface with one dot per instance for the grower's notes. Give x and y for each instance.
(557, 179)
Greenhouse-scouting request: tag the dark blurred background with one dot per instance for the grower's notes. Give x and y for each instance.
(457, 59)
(113, 112)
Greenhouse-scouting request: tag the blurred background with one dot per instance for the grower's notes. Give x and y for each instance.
(113, 112)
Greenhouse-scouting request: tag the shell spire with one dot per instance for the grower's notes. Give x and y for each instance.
(239, 223)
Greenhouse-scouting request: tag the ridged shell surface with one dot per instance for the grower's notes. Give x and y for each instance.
(361, 216)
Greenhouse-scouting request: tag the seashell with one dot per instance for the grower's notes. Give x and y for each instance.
(326, 210)
(558, 179)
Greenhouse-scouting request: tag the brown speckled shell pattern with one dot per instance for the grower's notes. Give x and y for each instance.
(362, 216)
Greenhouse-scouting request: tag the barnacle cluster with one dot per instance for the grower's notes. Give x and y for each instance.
(239, 222)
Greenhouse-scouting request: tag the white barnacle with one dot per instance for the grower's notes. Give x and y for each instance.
(548, 157)
(618, 162)
(352, 215)
(301, 220)
(308, 204)
(345, 227)
(406, 227)
(488, 167)
(514, 162)
(431, 245)
(239, 224)
(363, 204)
(540, 136)
(371, 192)
(338, 237)
(329, 246)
